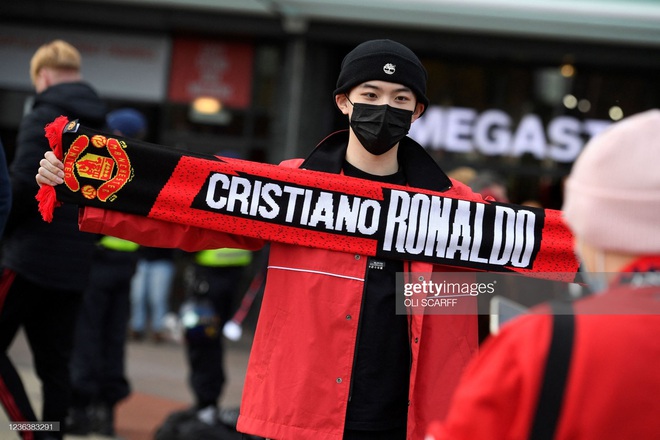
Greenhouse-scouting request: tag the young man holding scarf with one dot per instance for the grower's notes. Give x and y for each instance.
(331, 359)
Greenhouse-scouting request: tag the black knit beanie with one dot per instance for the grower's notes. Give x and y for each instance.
(383, 60)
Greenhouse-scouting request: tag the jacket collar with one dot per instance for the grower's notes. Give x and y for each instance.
(420, 169)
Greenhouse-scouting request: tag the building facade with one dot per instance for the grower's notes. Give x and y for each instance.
(515, 87)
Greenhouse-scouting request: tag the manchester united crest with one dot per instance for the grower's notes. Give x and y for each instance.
(104, 169)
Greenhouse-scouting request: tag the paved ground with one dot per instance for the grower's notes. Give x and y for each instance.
(157, 373)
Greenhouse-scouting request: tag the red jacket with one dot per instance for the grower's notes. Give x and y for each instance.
(299, 371)
(613, 382)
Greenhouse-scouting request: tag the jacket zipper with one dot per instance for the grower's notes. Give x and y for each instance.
(357, 336)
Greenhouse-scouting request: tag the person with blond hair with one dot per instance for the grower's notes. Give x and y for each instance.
(41, 287)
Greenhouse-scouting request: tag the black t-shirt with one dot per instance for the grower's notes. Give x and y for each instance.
(381, 368)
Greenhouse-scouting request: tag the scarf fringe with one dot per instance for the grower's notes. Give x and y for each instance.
(46, 195)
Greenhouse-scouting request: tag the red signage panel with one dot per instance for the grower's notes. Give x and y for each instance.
(212, 68)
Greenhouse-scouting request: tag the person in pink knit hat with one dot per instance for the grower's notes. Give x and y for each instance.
(585, 370)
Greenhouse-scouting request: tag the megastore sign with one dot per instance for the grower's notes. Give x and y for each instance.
(494, 132)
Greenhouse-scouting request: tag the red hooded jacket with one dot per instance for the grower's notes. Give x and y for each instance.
(300, 366)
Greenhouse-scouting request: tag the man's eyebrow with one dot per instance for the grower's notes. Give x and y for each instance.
(370, 86)
(375, 87)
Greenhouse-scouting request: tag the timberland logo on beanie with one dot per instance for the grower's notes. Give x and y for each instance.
(383, 60)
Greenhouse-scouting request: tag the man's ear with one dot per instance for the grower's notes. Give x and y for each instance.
(43, 79)
(419, 109)
(342, 103)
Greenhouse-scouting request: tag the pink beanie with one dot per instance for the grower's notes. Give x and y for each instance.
(612, 196)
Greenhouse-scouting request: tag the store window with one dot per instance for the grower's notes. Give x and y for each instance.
(526, 123)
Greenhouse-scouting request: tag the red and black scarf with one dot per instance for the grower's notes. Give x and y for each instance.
(308, 208)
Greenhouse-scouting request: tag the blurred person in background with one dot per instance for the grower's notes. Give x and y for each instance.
(586, 369)
(97, 365)
(42, 285)
(490, 185)
(463, 174)
(214, 278)
(151, 289)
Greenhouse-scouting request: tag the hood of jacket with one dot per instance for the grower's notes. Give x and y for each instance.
(77, 100)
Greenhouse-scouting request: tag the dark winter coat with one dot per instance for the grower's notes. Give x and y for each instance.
(56, 254)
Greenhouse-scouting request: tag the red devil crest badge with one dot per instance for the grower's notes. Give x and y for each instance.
(106, 162)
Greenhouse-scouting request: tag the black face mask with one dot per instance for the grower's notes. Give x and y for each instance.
(379, 127)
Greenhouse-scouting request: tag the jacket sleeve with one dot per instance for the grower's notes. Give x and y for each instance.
(159, 233)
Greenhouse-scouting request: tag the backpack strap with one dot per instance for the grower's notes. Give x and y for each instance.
(556, 372)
